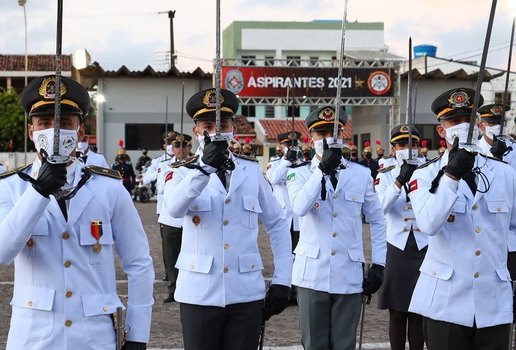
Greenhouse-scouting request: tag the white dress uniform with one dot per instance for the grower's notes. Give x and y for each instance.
(154, 172)
(277, 175)
(399, 214)
(65, 292)
(97, 159)
(2, 169)
(219, 263)
(464, 277)
(330, 252)
(164, 217)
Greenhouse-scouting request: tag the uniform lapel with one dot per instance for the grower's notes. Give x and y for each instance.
(81, 200)
(237, 175)
(488, 172)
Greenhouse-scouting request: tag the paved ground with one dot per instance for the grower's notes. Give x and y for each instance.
(281, 331)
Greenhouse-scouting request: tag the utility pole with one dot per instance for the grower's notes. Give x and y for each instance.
(171, 15)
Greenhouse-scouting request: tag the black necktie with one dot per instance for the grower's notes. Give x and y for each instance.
(221, 173)
(62, 205)
(84, 159)
(470, 180)
(333, 180)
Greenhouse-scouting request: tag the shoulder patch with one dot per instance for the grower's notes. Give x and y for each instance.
(104, 171)
(12, 172)
(241, 156)
(389, 168)
(183, 162)
(291, 177)
(430, 162)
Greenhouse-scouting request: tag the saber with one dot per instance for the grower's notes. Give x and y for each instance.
(119, 328)
(480, 78)
(293, 135)
(365, 300)
(166, 124)
(409, 100)
(262, 334)
(182, 114)
(505, 94)
(339, 79)
(288, 93)
(218, 136)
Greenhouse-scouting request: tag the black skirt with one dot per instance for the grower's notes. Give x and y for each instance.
(400, 275)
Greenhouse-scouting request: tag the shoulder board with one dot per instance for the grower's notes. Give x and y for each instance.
(299, 165)
(165, 159)
(12, 172)
(388, 157)
(272, 159)
(389, 168)
(241, 156)
(429, 162)
(184, 162)
(493, 158)
(104, 171)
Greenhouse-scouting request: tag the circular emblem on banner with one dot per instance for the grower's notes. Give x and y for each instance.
(234, 81)
(379, 82)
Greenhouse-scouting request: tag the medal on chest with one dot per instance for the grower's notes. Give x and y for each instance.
(97, 232)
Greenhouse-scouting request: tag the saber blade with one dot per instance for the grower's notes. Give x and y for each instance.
(339, 75)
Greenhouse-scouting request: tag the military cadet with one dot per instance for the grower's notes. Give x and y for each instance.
(490, 126)
(279, 154)
(465, 203)
(423, 150)
(87, 156)
(155, 170)
(380, 151)
(277, 176)
(368, 161)
(171, 228)
(63, 250)
(306, 153)
(247, 150)
(220, 286)
(126, 171)
(354, 154)
(329, 195)
(406, 244)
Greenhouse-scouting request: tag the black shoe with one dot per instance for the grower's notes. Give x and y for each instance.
(170, 299)
(165, 278)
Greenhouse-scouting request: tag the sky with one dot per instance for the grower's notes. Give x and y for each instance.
(134, 33)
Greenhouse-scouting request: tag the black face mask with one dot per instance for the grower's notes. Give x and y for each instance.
(354, 155)
(306, 154)
(380, 155)
(367, 155)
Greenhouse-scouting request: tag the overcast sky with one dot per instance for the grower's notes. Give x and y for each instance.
(133, 33)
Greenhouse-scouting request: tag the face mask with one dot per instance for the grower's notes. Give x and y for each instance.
(227, 135)
(492, 131)
(170, 150)
(367, 155)
(44, 139)
(319, 145)
(461, 131)
(82, 146)
(403, 154)
(354, 155)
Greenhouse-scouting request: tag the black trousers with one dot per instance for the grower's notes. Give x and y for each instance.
(171, 244)
(234, 327)
(450, 336)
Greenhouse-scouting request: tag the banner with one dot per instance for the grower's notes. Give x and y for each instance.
(253, 81)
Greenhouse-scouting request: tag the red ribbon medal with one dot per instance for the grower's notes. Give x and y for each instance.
(96, 232)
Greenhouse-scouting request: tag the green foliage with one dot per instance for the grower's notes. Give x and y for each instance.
(11, 120)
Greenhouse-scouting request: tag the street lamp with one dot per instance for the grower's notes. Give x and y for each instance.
(22, 4)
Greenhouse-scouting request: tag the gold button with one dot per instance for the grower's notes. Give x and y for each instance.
(334, 196)
(477, 229)
(29, 303)
(303, 252)
(334, 234)
(333, 252)
(475, 207)
(191, 267)
(407, 207)
(68, 323)
(434, 273)
(227, 201)
(67, 263)
(476, 275)
(69, 294)
(225, 222)
(226, 245)
(66, 235)
(354, 198)
(195, 207)
(252, 266)
(226, 269)
(499, 209)
(105, 308)
(477, 253)
(334, 215)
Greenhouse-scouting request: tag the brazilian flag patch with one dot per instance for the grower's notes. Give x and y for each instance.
(291, 177)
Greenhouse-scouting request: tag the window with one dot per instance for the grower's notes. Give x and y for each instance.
(269, 111)
(248, 110)
(293, 110)
(499, 97)
(248, 60)
(314, 61)
(149, 136)
(293, 61)
(269, 60)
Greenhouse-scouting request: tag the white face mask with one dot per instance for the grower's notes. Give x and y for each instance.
(319, 145)
(82, 146)
(43, 139)
(170, 150)
(403, 154)
(461, 131)
(492, 131)
(227, 135)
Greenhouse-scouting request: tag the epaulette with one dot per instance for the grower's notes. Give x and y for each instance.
(493, 158)
(389, 168)
(184, 162)
(241, 156)
(104, 171)
(12, 172)
(430, 162)
(388, 157)
(299, 165)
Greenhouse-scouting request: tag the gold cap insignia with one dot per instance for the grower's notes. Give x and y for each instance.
(497, 110)
(459, 99)
(327, 114)
(210, 99)
(47, 89)
(404, 128)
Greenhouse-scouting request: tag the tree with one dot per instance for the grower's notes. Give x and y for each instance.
(11, 121)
